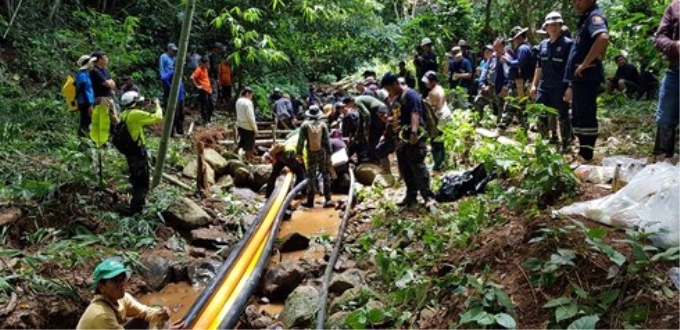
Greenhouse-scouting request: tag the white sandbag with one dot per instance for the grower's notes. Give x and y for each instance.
(650, 203)
(339, 157)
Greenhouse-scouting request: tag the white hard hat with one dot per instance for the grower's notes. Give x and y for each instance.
(553, 17)
(130, 98)
(425, 41)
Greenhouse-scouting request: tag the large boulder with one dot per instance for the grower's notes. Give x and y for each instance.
(201, 272)
(294, 242)
(212, 237)
(355, 296)
(337, 320)
(184, 213)
(225, 182)
(301, 307)
(215, 160)
(282, 279)
(245, 195)
(228, 155)
(155, 271)
(366, 173)
(261, 174)
(352, 278)
(240, 172)
(191, 171)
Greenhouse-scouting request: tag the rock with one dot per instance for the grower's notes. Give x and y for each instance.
(337, 320)
(244, 195)
(10, 215)
(375, 304)
(275, 326)
(301, 307)
(155, 271)
(225, 182)
(262, 322)
(201, 272)
(280, 280)
(211, 237)
(248, 220)
(191, 170)
(173, 244)
(294, 242)
(314, 267)
(215, 160)
(354, 295)
(342, 282)
(240, 172)
(184, 213)
(344, 263)
(197, 252)
(384, 180)
(261, 174)
(178, 271)
(366, 173)
(228, 155)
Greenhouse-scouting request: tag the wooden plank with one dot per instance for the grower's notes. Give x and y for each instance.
(257, 142)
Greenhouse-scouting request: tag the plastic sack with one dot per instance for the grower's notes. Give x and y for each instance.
(457, 185)
(648, 203)
(628, 167)
(339, 157)
(595, 174)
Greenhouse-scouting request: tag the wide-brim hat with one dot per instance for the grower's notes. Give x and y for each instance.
(552, 17)
(84, 61)
(517, 31)
(425, 41)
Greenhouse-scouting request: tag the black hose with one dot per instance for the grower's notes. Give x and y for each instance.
(244, 295)
(207, 293)
(321, 315)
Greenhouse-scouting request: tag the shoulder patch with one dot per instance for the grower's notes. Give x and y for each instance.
(597, 20)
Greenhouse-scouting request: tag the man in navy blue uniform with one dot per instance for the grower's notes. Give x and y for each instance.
(584, 74)
(408, 122)
(522, 68)
(548, 86)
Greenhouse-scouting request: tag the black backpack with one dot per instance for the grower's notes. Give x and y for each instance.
(122, 139)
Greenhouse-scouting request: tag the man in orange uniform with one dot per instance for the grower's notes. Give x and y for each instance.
(225, 80)
(202, 82)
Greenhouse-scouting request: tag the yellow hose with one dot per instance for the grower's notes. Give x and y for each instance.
(212, 314)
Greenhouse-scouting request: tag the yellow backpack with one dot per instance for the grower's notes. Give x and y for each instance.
(70, 93)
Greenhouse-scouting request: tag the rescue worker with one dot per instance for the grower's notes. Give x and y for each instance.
(407, 75)
(167, 60)
(667, 41)
(226, 80)
(470, 56)
(352, 130)
(522, 69)
(283, 109)
(458, 69)
(112, 306)
(202, 82)
(135, 119)
(548, 85)
(315, 140)
(85, 94)
(282, 155)
(246, 123)
(426, 61)
(494, 81)
(584, 74)
(369, 108)
(626, 78)
(178, 122)
(410, 135)
(436, 99)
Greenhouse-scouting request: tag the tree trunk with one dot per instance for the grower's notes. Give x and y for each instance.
(487, 19)
(171, 107)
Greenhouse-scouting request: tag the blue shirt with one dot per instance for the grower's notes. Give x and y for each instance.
(410, 102)
(166, 79)
(523, 62)
(589, 26)
(165, 63)
(462, 66)
(552, 59)
(84, 88)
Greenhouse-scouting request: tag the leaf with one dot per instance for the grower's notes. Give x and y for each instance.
(557, 302)
(505, 320)
(485, 318)
(670, 254)
(533, 264)
(470, 315)
(565, 312)
(562, 258)
(610, 296)
(597, 233)
(586, 322)
(504, 300)
(101, 123)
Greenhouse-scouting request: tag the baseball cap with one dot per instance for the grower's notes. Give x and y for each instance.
(489, 48)
(97, 54)
(388, 79)
(172, 46)
(108, 269)
(425, 41)
(430, 76)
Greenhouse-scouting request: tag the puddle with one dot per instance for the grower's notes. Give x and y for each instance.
(177, 296)
(274, 309)
(312, 222)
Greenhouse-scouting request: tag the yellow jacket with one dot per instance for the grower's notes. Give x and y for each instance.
(135, 120)
(102, 314)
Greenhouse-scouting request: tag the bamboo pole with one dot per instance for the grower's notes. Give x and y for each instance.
(174, 92)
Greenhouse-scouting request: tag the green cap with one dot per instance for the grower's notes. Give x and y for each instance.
(108, 269)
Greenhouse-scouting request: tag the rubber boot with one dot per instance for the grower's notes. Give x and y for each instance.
(565, 135)
(665, 141)
(410, 199)
(587, 146)
(543, 126)
(310, 201)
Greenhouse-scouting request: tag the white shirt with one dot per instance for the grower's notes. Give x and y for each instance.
(245, 114)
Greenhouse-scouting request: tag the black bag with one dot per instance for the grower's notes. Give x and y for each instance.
(122, 139)
(457, 185)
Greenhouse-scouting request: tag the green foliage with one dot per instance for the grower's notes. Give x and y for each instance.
(487, 305)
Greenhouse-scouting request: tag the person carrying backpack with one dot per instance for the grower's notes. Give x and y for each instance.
(314, 137)
(84, 93)
(128, 137)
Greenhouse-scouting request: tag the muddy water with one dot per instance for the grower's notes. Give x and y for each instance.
(177, 296)
(309, 222)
